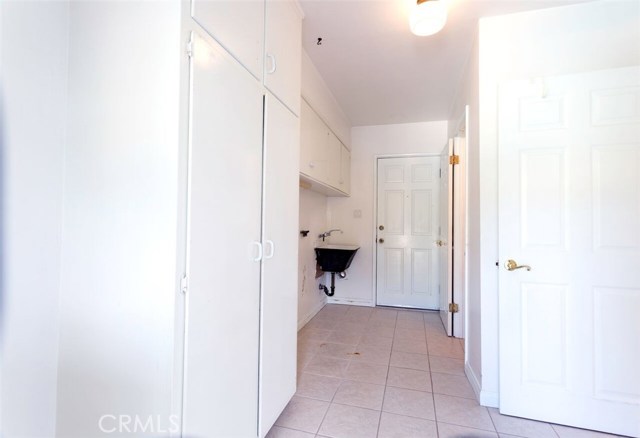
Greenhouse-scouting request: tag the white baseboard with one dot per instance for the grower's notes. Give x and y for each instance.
(306, 318)
(485, 398)
(473, 380)
(490, 399)
(351, 302)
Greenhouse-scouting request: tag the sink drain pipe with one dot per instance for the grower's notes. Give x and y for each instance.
(333, 286)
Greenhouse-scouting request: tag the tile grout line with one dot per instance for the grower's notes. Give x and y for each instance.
(384, 393)
(433, 395)
(324, 417)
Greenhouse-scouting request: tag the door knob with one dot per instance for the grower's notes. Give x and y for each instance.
(512, 265)
(439, 243)
(381, 240)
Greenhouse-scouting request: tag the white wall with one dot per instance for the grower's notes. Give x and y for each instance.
(571, 39)
(468, 94)
(367, 143)
(313, 217)
(119, 252)
(313, 206)
(317, 94)
(33, 85)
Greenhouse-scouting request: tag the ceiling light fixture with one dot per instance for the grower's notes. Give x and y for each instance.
(428, 17)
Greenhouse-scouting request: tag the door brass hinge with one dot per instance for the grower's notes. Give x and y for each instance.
(453, 308)
(454, 159)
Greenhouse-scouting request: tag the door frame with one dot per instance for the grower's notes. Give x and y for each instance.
(374, 225)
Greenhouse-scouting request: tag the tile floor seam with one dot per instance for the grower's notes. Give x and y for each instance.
(475, 428)
(433, 397)
(384, 393)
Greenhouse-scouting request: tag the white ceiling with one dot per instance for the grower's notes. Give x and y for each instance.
(380, 72)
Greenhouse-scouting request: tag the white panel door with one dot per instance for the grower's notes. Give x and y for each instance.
(238, 25)
(445, 238)
(407, 230)
(569, 184)
(283, 51)
(279, 308)
(223, 301)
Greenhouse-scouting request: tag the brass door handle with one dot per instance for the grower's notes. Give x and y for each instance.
(512, 265)
(439, 243)
(381, 240)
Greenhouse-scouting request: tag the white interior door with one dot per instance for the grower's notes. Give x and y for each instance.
(407, 230)
(279, 309)
(459, 235)
(223, 300)
(445, 237)
(569, 186)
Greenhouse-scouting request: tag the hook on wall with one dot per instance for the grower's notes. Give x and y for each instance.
(319, 43)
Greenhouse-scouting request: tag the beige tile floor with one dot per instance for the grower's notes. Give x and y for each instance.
(378, 372)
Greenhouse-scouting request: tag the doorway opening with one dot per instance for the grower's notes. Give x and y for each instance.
(420, 231)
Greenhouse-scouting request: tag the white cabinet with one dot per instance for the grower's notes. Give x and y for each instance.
(237, 25)
(283, 51)
(345, 170)
(189, 186)
(325, 163)
(223, 300)
(334, 149)
(313, 136)
(264, 36)
(279, 309)
(241, 323)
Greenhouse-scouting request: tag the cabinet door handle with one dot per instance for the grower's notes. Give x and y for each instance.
(274, 66)
(272, 250)
(260, 253)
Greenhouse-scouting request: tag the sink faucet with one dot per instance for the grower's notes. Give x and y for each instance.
(328, 233)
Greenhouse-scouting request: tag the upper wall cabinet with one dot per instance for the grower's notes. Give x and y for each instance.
(283, 51)
(238, 26)
(325, 163)
(345, 170)
(313, 136)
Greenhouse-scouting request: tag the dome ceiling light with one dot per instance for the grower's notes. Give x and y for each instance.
(428, 17)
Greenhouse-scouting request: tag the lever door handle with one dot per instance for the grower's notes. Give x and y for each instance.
(512, 265)
(439, 243)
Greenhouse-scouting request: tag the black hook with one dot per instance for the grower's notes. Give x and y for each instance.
(304, 233)
(319, 43)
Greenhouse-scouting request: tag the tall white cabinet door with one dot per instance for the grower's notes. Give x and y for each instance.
(222, 323)
(280, 278)
(237, 25)
(283, 51)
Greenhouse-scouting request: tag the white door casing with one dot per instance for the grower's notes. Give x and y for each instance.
(406, 253)
(222, 321)
(569, 206)
(445, 238)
